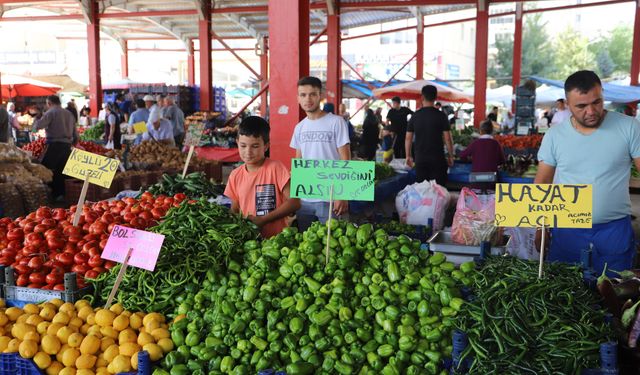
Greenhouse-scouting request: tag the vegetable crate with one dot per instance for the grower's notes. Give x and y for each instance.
(71, 293)
(95, 193)
(13, 364)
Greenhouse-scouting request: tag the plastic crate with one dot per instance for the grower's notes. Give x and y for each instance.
(71, 293)
(458, 177)
(13, 364)
(73, 188)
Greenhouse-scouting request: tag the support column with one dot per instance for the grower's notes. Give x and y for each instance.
(635, 52)
(264, 74)
(420, 46)
(124, 60)
(289, 61)
(516, 69)
(204, 36)
(334, 58)
(191, 66)
(93, 48)
(480, 79)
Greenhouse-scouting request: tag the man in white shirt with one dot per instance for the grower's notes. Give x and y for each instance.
(562, 113)
(319, 136)
(157, 127)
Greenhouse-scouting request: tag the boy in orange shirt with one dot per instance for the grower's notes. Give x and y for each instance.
(259, 189)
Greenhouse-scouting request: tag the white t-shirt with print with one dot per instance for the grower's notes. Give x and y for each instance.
(320, 139)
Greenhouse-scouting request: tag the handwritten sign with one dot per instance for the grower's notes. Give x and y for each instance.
(561, 206)
(145, 247)
(140, 127)
(351, 180)
(100, 169)
(194, 134)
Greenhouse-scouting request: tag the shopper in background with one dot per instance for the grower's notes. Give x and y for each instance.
(493, 115)
(160, 103)
(485, 152)
(5, 127)
(84, 120)
(141, 114)
(370, 135)
(259, 188)
(174, 114)
(158, 128)
(13, 120)
(562, 113)
(397, 121)
(112, 133)
(319, 136)
(438, 106)
(508, 123)
(379, 115)
(594, 146)
(432, 132)
(61, 132)
(124, 106)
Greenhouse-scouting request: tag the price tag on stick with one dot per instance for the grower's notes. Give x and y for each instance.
(186, 163)
(100, 169)
(80, 205)
(133, 247)
(542, 249)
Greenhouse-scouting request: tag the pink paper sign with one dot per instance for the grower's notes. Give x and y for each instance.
(146, 247)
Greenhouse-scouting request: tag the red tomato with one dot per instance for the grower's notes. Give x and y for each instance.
(99, 269)
(81, 258)
(37, 278)
(180, 197)
(94, 251)
(91, 274)
(58, 287)
(59, 214)
(80, 269)
(109, 264)
(40, 228)
(35, 263)
(22, 280)
(128, 217)
(95, 261)
(54, 278)
(55, 243)
(49, 222)
(15, 235)
(65, 258)
(47, 287)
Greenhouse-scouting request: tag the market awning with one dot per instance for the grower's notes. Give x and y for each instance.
(13, 86)
(412, 90)
(361, 90)
(612, 93)
(63, 80)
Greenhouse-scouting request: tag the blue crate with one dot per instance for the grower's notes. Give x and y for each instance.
(13, 364)
(505, 178)
(459, 167)
(458, 177)
(7, 364)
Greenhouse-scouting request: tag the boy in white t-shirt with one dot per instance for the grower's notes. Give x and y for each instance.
(319, 136)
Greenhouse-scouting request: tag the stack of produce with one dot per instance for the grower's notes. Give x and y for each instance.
(520, 166)
(383, 171)
(199, 236)
(397, 228)
(38, 146)
(152, 153)
(193, 185)
(520, 324)
(19, 175)
(94, 133)
(518, 142)
(462, 137)
(61, 247)
(380, 306)
(63, 338)
(92, 147)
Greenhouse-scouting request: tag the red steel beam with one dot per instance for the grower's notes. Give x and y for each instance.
(240, 59)
(191, 66)
(206, 80)
(60, 17)
(516, 70)
(288, 61)
(481, 57)
(182, 49)
(358, 74)
(398, 72)
(420, 54)
(93, 49)
(566, 7)
(318, 36)
(247, 9)
(334, 59)
(401, 3)
(635, 51)
(150, 13)
(256, 96)
(124, 61)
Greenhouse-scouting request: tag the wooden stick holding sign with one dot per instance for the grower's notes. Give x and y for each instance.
(542, 248)
(119, 278)
(83, 196)
(186, 163)
(329, 224)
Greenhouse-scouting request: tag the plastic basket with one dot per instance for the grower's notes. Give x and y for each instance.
(71, 293)
(13, 364)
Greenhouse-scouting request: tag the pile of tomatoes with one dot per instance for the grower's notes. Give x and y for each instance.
(519, 142)
(44, 245)
(91, 147)
(38, 146)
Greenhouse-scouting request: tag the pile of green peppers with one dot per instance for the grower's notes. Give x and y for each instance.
(380, 305)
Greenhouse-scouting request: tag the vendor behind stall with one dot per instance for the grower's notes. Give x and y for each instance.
(485, 152)
(593, 146)
(159, 129)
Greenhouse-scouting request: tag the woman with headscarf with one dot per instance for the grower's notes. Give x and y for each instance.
(370, 135)
(112, 125)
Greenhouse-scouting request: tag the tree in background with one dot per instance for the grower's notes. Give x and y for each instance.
(572, 53)
(613, 51)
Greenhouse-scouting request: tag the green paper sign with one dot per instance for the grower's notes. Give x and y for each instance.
(351, 180)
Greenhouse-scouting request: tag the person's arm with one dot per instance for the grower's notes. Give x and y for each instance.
(408, 141)
(112, 127)
(546, 172)
(235, 207)
(298, 153)
(468, 152)
(289, 206)
(75, 137)
(344, 151)
(449, 142)
(41, 122)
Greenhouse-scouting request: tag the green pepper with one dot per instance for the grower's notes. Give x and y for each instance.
(456, 303)
(345, 314)
(177, 336)
(322, 344)
(180, 370)
(227, 364)
(343, 368)
(249, 294)
(467, 267)
(374, 361)
(407, 343)
(385, 350)
(321, 317)
(445, 296)
(434, 335)
(390, 369)
(418, 358)
(363, 234)
(296, 325)
(328, 363)
(432, 368)
(437, 259)
(433, 356)
(192, 339)
(423, 309)
(259, 343)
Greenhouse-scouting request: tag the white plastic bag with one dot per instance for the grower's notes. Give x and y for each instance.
(474, 220)
(109, 145)
(522, 243)
(418, 203)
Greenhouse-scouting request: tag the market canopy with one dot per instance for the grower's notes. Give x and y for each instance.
(64, 81)
(412, 90)
(13, 86)
(612, 93)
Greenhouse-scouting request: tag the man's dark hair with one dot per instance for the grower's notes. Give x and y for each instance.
(583, 81)
(54, 99)
(429, 93)
(560, 101)
(396, 99)
(494, 108)
(139, 103)
(486, 126)
(255, 126)
(438, 104)
(310, 81)
(120, 97)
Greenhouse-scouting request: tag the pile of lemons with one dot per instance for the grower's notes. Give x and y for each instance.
(76, 339)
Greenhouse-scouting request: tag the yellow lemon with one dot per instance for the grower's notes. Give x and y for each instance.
(153, 316)
(42, 327)
(121, 363)
(30, 308)
(101, 362)
(68, 371)
(94, 331)
(109, 332)
(28, 348)
(42, 360)
(47, 313)
(134, 361)
(85, 371)
(145, 338)
(13, 313)
(63, 349)
(23, 318)
(13, 346)
(106, 342)
(75, 339)
(104, 318)
(50, 344)
(57, 302)
(34, 320)
(4, 319)
(150, 325)
(128, 335)
(91, 318)
(64, 333)
(160, 333)
(90, 345)
(70, 356)
(116, 308)
(85, 329)
(166, 344)
(86, 361)
(53, 328)
(4, 342)
(127, 313)
(111, 353)
(67, 307)
(102, 371)
(61, 317)
(135, 321)
(76, 322)
(54, 368)
(19, 330)
(84, 312)
(121, 322)
(129, 348)
(32, 335)
(81, 303)
(154, 350)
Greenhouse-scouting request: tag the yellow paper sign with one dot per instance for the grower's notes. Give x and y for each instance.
(562, 206)
(140, 127)
(101, 169)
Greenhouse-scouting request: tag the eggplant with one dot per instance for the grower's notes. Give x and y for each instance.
(628, 314)
(608, 293)
(635, 331)
(628, 289)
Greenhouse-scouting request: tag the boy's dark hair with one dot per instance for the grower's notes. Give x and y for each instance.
(396, 99)
(255, 126)
(310, 81)
(486, 126)
(560, 101)
(139, 103)
(54, 99)
(429, 93)
(582, 80)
